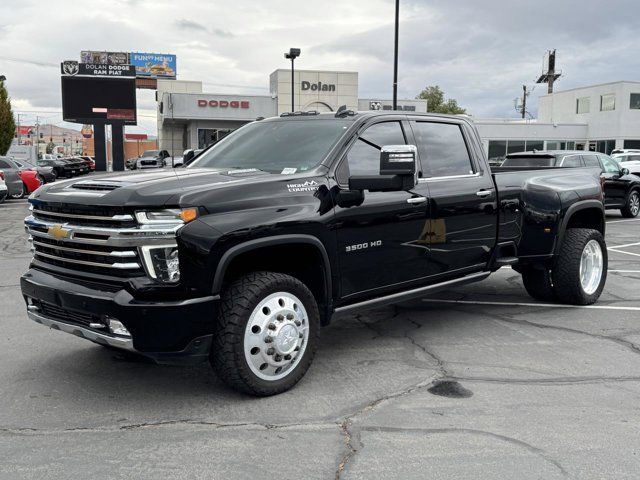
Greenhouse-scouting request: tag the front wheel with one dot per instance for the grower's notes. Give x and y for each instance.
(266, 333)
(632, 206)
(580, 271)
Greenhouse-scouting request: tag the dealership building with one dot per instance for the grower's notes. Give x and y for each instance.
(191, 118)
(598, 117)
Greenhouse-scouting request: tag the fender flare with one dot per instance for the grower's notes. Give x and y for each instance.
(250, 245)
(576, 207)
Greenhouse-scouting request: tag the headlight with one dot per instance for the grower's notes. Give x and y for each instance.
(162, 262)
(168, 216)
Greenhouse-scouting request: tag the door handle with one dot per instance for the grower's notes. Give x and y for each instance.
(416, 200)
(483, 193)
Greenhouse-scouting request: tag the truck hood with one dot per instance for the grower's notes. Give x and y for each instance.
(151, 188)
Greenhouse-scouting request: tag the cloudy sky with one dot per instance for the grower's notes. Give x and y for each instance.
(480, 52)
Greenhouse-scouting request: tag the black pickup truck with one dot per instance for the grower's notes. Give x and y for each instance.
(287, 222)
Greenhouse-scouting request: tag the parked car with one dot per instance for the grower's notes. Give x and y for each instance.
(629, 160)
(15, 184)
(61, 168)
(152, 159)
(47, 173)
(84, 166)
(31, 180)
(243, 255)
(4, 191)
(624, 150)
(91, 160)
(621, 189)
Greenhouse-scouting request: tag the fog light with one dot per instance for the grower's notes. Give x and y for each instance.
(162, 262)
(116, 327)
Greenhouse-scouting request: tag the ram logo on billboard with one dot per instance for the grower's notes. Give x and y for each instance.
(154, 65)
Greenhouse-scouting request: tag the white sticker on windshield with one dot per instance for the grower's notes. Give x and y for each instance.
(288, 171)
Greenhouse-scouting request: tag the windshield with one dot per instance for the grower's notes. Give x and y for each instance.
(287, 146)
(151, 153)
(533, 161)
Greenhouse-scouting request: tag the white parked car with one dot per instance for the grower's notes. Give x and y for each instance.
(4, 191)
(629, 160)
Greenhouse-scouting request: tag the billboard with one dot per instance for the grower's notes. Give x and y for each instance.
(99, 99)
(154, 65)
(97, 57)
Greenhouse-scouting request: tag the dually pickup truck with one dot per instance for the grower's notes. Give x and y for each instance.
(242, 256)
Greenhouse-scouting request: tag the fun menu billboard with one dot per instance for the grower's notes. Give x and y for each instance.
(154, 65)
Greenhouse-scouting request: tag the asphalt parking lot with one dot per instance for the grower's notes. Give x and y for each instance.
(477, 382)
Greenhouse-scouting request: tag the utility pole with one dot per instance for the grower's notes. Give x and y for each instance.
(19, 129)
(395, 58)
(524, 100)
(550, 76)
(37, 142)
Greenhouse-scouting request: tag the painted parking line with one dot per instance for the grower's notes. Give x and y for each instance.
(625, 245)
(622, 251)
(525, 304)
(625, 220)
(623, 271)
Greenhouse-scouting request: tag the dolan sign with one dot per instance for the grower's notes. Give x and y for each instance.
(72, 68)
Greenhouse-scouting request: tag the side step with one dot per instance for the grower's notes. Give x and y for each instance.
(505, 261)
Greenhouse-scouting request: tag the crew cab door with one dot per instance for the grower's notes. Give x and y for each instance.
(463, 199)
(615, 185)
(377, 235)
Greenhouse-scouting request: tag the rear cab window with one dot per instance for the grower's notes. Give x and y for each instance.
(529, 161)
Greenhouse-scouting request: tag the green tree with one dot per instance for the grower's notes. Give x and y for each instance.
(7, 122)
(436, 102)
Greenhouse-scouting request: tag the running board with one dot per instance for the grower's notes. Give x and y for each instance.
(411, 294)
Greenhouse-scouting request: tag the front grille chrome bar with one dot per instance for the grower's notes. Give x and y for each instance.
(118, 266)
(114, 218)
(116, 237)
(113, 253)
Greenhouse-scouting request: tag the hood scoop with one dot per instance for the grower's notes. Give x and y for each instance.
(96, 186)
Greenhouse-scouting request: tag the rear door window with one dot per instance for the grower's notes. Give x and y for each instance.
(571, 161)
(591, 161)
(442, 148)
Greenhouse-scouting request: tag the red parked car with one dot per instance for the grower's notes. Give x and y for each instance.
(92, 163)
(31, 180)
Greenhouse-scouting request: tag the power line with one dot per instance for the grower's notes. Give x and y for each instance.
(37, 63)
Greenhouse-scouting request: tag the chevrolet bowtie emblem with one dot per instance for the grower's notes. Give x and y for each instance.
(58, 232)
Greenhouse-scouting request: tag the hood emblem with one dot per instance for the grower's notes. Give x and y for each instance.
(58, 232)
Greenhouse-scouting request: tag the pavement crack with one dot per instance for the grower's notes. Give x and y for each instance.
(163, 423)
(484, 433)
(549, 380)
(350, 449)
(620, 341)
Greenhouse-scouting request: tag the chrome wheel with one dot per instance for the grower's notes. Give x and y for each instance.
(591, 267)
(634, 203)
(276, 336)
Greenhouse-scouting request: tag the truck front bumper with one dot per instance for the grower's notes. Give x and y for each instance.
(169, 332)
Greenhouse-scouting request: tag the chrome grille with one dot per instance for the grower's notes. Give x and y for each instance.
(93, 240)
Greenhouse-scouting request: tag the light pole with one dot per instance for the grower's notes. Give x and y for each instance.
(395, 58)
(293, 54)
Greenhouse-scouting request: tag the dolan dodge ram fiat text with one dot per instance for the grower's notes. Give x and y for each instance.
(288, 222)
